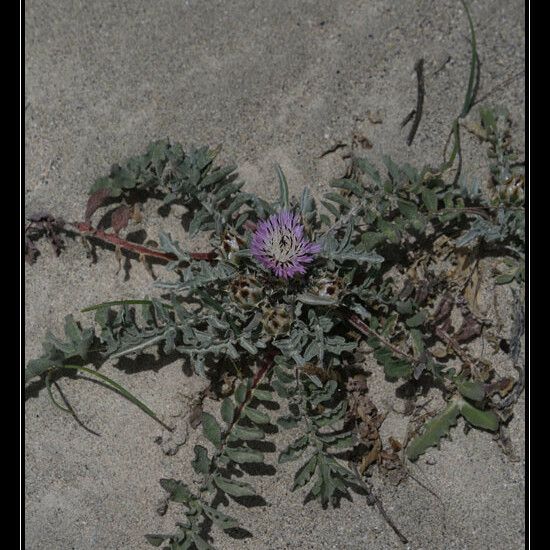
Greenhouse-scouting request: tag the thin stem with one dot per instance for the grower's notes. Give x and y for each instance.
(87, 230)
(363, 328)
(256, 380)
(125, 393)
(372, 498)
(140, 346)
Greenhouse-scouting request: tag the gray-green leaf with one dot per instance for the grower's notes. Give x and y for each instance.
(211, 429)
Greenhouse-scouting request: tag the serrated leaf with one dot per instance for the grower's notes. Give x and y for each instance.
(234, 488)
(211, 429)
(433, 431)
(486, 420)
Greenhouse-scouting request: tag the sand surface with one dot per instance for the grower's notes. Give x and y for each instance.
(278, 81)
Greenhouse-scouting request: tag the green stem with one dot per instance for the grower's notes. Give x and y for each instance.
(121, 303)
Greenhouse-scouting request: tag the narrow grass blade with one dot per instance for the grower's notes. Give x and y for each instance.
(52, 398)
(474, 66)
(125, 393)
(283, 188)
(118, 303)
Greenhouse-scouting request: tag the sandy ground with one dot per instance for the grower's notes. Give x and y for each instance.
(273, 82)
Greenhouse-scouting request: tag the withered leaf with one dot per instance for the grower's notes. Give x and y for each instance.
(31, 251)
(95, 201)
(444, 308)
(469, 329)
(120, 217)
(371, 457)
(422, 292)
(503, 386)
(195, 416)
(363, 141)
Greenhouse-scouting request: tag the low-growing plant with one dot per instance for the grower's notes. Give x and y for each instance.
(288, 294)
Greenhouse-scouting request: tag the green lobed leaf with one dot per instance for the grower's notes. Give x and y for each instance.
(487, 420)
(433, 431)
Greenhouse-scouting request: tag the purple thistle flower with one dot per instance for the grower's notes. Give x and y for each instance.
(279, 244)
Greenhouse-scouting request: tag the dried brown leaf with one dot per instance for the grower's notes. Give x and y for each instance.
(443, 309)
(120, 217)
(469, 329)
(95, 201)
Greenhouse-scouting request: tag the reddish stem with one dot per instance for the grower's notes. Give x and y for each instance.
(267, 363)
(363, 328)
(90, 231)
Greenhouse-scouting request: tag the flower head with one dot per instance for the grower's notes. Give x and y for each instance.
(279, 244)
